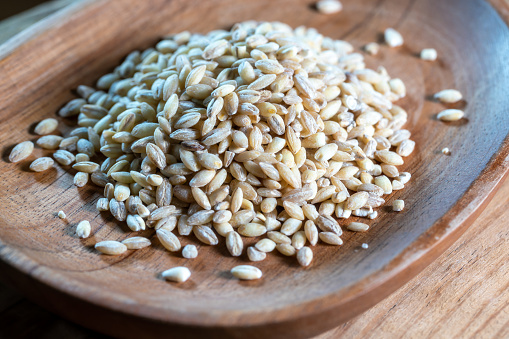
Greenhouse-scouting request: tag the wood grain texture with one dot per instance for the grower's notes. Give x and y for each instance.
(402, 63)
(463, 294)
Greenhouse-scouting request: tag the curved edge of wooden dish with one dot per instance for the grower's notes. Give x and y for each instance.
(43, 285)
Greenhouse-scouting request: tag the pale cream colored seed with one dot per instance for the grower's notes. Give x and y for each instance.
(398, 205)
(429, 54)
(136, 243)
(450, 115)
(41, 164)
(110, 247)
(329, 6)
(234, 243)
(330, 238)
(246, 272)
(80, 179)
(190, 252)
(83, 229)
(305, 256)
(254, 255)
(265, 245)
(393, 38)
(205, 235)
(252, 230)
(177, 274)
(358, 227)
(168, 240)
(46, 126)
(61, 214)
(21, 151)
(299, 240)
(448, 96)
(372, 48)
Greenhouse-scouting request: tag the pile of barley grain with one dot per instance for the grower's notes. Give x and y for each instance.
(261, 131)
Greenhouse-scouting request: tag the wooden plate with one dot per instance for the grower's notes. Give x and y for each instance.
(123, 296)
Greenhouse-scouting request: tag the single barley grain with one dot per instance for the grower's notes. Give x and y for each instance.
(398, 205)
(136, 243)
(448, 96)
(305, 256)
(21, 151)
(83, 229)
(372, 48)
(41, 164)
(177, 274)
(254, 255)
(168, 240)
(246, 272)
(429, 54)
(265, 245)
(450, 115)
(50, 142)
(286, 249)
(358, 227)
(393, 38)
(64, 157)
(190, 252)
(110, 247)
(329, 6)
(46, 126)
(446, 151)
(234, 243)
(80, 179)
(330, 238)
(298, 240)
(205, 235)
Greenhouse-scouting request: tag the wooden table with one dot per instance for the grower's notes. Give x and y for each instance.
(463, 294)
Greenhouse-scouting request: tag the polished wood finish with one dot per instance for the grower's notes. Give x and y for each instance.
(462, 294)
(445, 196)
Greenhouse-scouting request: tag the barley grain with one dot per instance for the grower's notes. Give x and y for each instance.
(330, 238)
(372, 48)
(136, 243)
(41, 164)
(265, 245)
(234, 243)
(448, 96)
(46, 126)
(110, 247)
(21, 151)
(83, 229)
(205, 234)
(50, 142)
(450, 115)
(398, 205)
(246, 272)
(190, 252)
(446, 151)
(177, 274)
(429, 54)
(305, 256)
(168, 240)
(358, 227)
(393, 38)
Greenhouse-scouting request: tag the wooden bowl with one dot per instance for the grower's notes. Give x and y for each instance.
(123, 296)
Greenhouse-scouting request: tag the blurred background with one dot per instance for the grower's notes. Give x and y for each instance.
(10, 8)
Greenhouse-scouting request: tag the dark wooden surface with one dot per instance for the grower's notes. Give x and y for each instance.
(383, 319)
